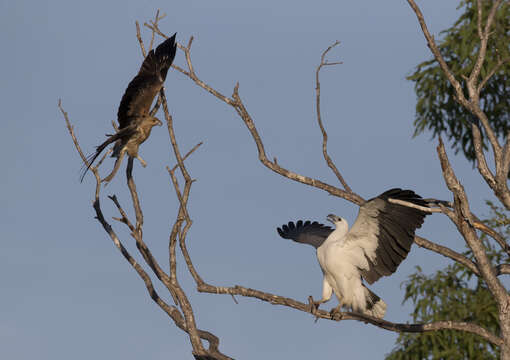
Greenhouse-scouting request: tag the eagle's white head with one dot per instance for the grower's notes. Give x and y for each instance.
(340, 223)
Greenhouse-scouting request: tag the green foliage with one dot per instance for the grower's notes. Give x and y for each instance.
(453, 293)
(436, 109)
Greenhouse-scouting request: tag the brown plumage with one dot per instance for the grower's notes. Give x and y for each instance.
(135, 121)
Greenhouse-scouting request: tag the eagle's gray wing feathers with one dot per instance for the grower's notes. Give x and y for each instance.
(385, 232)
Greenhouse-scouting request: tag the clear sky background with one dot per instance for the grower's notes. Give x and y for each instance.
(67, 293)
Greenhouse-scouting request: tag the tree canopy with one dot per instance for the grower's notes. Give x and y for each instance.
(436, 108)
(453, 293)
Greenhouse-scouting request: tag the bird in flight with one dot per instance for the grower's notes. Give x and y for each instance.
(374, 246)
(135, 120)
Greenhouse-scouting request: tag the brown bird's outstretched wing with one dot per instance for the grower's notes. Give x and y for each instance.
(141, 91)
(139, 95)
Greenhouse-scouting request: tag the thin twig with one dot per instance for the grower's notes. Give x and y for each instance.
(186, 156)
(140, 41)
(330, 162)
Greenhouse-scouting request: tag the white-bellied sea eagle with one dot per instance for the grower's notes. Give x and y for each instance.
(374, 246)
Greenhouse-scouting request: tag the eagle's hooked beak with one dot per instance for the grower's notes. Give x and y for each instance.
(333, 218)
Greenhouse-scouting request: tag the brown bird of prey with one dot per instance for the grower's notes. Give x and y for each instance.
(135, 121)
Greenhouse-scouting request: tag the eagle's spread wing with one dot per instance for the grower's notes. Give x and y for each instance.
(306, 232)
(141, 91)
(385, 232)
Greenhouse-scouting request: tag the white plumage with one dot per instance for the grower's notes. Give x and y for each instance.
(341, 259)
(378, 241)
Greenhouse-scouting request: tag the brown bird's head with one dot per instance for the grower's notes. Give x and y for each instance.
(146, 123)
(155, 121)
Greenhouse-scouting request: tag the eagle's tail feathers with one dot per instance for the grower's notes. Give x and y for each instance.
(375, 306)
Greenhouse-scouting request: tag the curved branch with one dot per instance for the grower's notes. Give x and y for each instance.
(464, 220)
(387, 325)
(502, 269)
(239, 107)
(447, 252)
(330, 162)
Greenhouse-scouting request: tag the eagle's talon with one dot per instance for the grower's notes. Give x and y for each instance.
(314, 305)
(336, 313)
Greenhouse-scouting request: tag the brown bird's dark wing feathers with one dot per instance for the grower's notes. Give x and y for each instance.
(306, 232)
(394, 227)
(141, 91)
(139, 94)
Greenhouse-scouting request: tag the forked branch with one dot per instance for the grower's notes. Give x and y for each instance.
(330, 162)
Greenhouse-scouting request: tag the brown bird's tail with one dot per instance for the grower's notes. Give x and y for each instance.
(111, 139)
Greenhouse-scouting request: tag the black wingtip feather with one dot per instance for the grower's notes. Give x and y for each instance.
(306, 232)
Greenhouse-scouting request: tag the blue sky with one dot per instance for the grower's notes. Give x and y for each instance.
(66, 290)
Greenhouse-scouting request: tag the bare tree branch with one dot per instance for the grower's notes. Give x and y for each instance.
(479, 225)
(464, 222)
(414, 328)
(491, 73)
(330, 162)
(447, 252)
(140, 41)
(239, 107)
